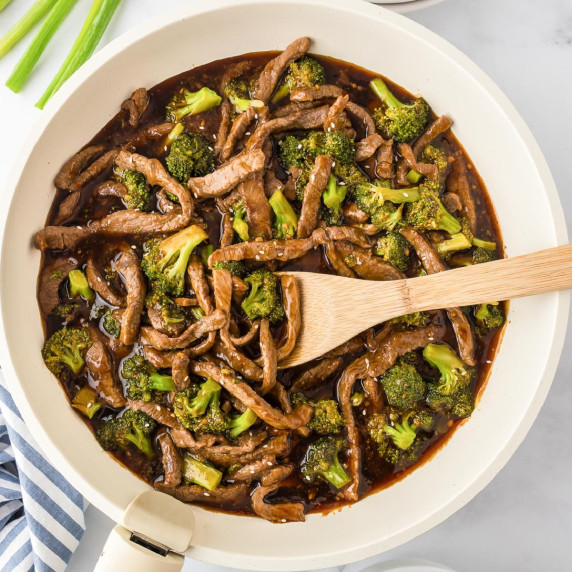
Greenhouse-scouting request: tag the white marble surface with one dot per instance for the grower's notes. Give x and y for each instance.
(523, 519)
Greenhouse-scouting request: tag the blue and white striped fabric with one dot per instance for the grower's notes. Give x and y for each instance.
(41, 514)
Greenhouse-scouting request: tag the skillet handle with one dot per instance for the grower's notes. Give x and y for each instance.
(121, 553)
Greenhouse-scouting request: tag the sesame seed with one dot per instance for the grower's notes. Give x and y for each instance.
(299, 147)
(158, 408)
(257, 257)
(201, 126)
(247, 133)
(133, 246)
(261, 252)
(332, 125)
(367, 166)
(333, 164)
(210, 148)
(78, 227)
(284, 520)
(489, 361)
(405, 195)
(214, 136)
(256, 116)
(207, 494)
(90, 404)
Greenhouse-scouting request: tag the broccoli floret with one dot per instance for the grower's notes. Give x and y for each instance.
(403, 386)
(190, 155)
(239, 223)
(457, 242)
(455, 374)
(392, 435)
(111, 325)
(357, 398)
(321, 462)
(138, 194)
(186, 102)
(414, 320)
(395, 249)
(306, 72)
(402, 434)
(132, 428)
(238, 92)
(428, 213)
(481, 255)
(142, 379)
(388, 217)
(286, 221)
(196, 472)
(326, 417)
(423, 420)
(334, 195)
(402, 122)
(170, 312)
(85, 401)
(235, 267)
(78, 286)
(460, 404)
(263, 300)
(372, 197)
(65, 311)
(488, 317)
(66, 348)
(165, 262)
(302, 153)
(240, 423)
(199, 409)
(438, 157)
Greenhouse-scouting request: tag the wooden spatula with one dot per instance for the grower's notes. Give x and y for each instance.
(334, 308)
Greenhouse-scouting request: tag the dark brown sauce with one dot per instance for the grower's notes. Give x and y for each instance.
(376, 474)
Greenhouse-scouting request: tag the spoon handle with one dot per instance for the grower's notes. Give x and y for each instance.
(542, 271)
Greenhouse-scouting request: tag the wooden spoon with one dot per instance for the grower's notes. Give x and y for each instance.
(335, 308)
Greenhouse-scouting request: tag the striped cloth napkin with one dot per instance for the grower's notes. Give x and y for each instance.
(41, 514)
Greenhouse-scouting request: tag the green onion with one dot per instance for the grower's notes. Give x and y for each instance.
(93, 28)
(26, 64)
(4, 3)
(25, 24)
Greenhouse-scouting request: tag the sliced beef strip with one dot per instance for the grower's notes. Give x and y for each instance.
(281, 395)
(362, 117)
(164, 359)
(353, 212)
(237, 361)
(384, 167)
(292, 107)
(258, 212)
(316, 375)
(155, 316)
(239, 127)
(97, 282)
(373, 365)
(110, 189)
(228, 175)
(367, 265)
(313, 194)
(272, 72)
(292, 302)
(335, 119)
(180, 371)
(317, 93)
(149, 134)
(271, 183)
(410, 161)
(128, 267)
(268, 357)
(67, 208)
(51, 278)
(163, 415)
(287, 249)
(352, 346)
(282, 512)
(227, 232)
(199, 284)
(222, 495)
(243, 392)
(250, 335)
(366, 147)
(95, 169)
(336, 260)
(128, 221)
(101, 370)
(252, 471)
(452, 202)
(171, 459)
(439, 126)
(224, 126)
(222, 281)
(458, 185)
(75, 165)
(305, 119)
(136, 105)
(432, 264)
(209, 323)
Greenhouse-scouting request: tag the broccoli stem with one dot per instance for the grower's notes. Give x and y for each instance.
(27, 62)
(241, 423)
(209, 391)
(93, 28)
(484, 244)
(385, 95)
(334, 196)
(457, 242)
(448, 222)
(79, 286)
(175, 132)
(286, 219)
(414, 176)
(399, 196)
(24, 25)
(282, 91)
(200, 474)
(162, 382)
(239, 225)
(141, 441)
(337, 475)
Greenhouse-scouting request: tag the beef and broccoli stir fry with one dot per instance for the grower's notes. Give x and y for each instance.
(166, 319)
